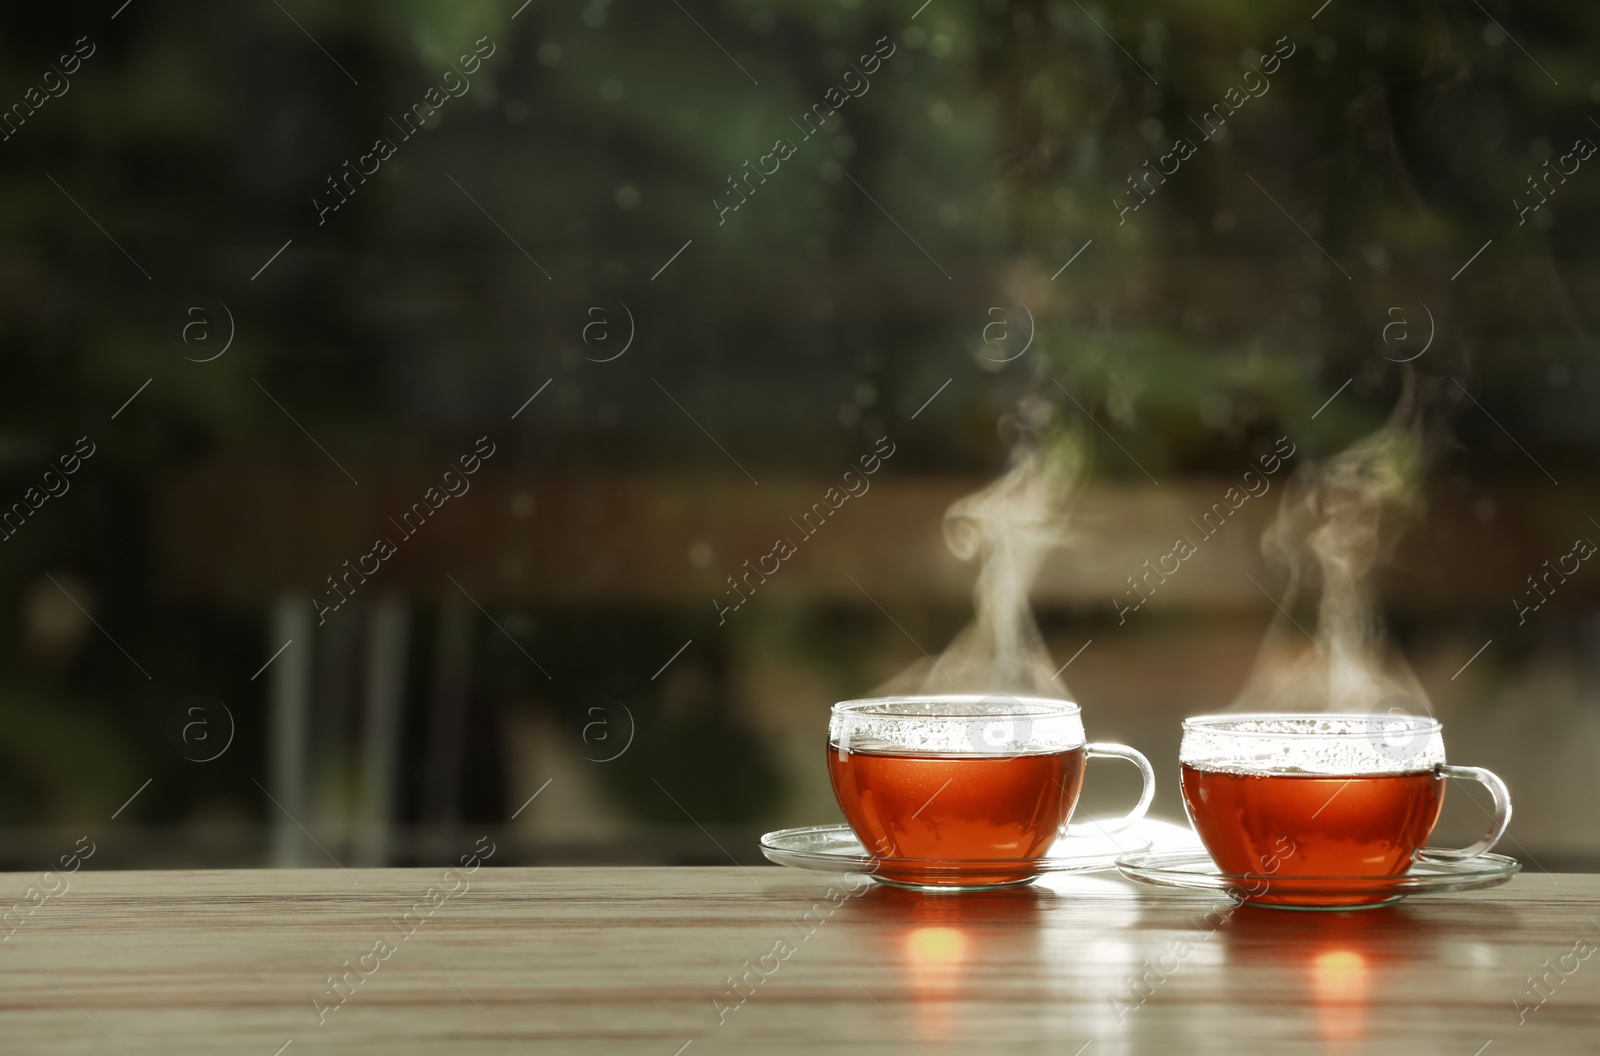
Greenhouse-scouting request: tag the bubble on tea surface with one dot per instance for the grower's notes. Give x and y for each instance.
(1333, 745)
(962, 724)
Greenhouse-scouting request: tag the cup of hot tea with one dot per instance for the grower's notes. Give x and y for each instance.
(1322, 811)
(964, 791)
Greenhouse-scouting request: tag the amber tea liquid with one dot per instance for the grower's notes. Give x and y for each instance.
(947, 807)
(1285, 826)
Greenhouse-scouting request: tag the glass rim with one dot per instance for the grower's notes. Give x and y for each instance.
(1380, 724)
(1036, 706)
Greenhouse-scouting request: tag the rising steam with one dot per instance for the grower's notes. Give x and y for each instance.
(1340, 519)
(1010, 527)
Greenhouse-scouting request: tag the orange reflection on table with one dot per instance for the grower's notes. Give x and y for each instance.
(1341, 986)
(936, 957)
(938, 942)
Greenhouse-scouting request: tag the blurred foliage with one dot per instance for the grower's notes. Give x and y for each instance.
(989, 150)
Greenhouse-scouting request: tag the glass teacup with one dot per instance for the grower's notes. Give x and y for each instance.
(1322, 810)
(964, 790)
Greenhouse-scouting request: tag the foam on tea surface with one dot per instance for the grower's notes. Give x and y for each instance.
(1325, 744)
(956, 725)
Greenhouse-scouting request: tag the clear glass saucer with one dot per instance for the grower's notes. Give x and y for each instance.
(1195, 871)
(835, 849)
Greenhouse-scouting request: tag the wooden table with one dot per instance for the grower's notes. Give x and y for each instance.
(631, 961)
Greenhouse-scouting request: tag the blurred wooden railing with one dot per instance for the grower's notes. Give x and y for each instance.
(236, 536)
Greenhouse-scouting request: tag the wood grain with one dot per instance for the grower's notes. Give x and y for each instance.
(630, 961)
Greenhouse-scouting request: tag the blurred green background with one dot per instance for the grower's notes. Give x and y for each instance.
(948, 243)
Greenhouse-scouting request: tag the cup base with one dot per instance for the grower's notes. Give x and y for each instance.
(1315, 904)
(954, 887)
(835, 849)
(1195, 871)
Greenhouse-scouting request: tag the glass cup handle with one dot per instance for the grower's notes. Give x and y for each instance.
(1497, 827)
(1122, 751)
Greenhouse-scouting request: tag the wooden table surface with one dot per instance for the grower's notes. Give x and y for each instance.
(645, 961)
